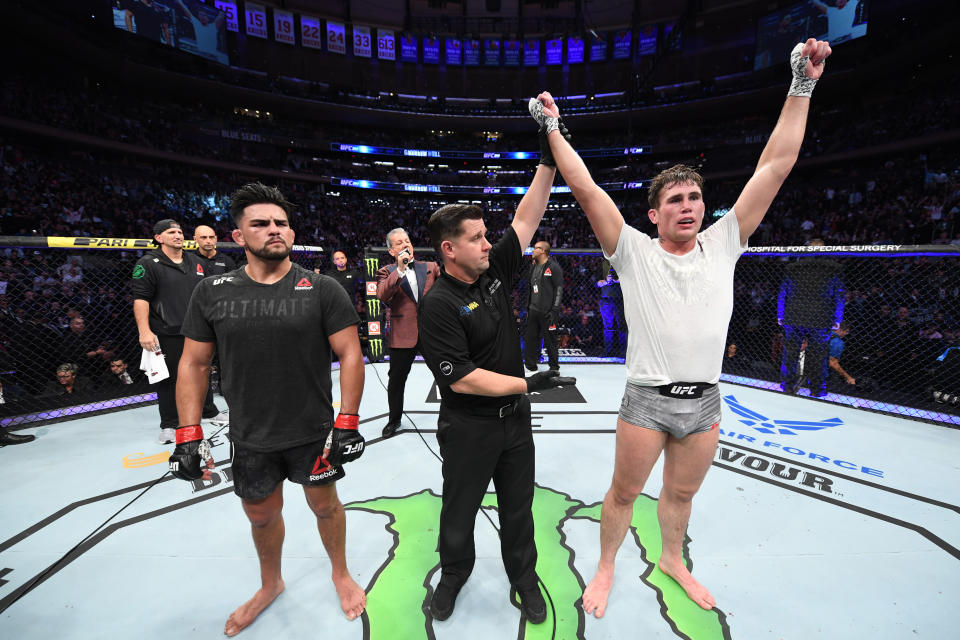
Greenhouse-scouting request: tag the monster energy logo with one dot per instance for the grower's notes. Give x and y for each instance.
(373, 307)
(376, 348)
(372, 265)
(400, 586)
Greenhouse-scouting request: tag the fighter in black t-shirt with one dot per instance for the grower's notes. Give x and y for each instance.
(273, 325)
(469, 339)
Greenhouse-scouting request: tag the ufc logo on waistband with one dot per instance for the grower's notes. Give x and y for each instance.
(679, 390)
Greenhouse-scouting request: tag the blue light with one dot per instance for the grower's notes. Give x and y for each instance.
(519, 155)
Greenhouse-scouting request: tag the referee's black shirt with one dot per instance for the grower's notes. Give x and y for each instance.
(469, 326)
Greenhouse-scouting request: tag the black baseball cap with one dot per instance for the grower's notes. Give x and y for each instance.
(163, 225)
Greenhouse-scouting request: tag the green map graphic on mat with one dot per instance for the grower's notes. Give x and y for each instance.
(401, 585)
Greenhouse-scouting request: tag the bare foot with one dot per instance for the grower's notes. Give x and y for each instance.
(353, 599)
(596, 593)
(244, 616)
(695, 591)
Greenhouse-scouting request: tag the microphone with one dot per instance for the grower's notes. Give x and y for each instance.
(405, 257)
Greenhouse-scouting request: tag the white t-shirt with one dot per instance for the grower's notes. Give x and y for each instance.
(677, 307)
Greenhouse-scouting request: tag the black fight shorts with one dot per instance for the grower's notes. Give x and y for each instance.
(257, 473)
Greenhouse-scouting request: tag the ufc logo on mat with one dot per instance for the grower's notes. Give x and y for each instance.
(679, 390)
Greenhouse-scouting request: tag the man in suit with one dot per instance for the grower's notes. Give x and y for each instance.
(401, 286)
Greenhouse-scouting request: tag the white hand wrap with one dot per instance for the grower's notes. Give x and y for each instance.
(547, 124)
(801, 86)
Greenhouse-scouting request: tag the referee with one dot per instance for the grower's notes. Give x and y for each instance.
(469, 339)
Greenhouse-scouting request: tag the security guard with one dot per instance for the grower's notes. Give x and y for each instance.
(469, 339)
(349, 278)
(215, 263)
(162, 283)
(543, 307)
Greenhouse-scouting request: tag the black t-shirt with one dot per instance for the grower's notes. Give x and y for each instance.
(218, 265)
(349, 279)
(468, 326)
(167, 286)
(272, 340)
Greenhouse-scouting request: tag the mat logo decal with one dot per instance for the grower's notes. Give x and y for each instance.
(411, 563)
(134, 462)
(763, 424)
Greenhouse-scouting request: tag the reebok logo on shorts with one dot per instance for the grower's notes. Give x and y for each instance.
(304, 285)
(320, 472)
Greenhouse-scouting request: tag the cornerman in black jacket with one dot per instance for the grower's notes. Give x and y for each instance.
(546, 291)
(162, 283)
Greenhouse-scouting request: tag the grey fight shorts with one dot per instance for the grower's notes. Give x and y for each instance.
(646, 407)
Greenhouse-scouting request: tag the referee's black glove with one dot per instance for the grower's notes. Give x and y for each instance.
(546, 154)
(547, 379)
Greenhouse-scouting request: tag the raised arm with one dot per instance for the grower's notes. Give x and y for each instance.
(533, 204)
(602, 213)
(783, 147)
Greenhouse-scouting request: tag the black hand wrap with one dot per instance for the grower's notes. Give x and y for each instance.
(189, 457)
(547, 379)
(346, 443)
(546, 154)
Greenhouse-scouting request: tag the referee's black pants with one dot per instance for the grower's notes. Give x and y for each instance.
(538, 324)
(400, 362)
(172, 348)
(475, 449)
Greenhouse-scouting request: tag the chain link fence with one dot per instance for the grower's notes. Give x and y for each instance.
(68, 339)
(876, 327)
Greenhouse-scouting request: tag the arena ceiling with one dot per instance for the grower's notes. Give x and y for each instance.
(514, 16)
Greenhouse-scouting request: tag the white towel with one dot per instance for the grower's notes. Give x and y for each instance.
(154, 365)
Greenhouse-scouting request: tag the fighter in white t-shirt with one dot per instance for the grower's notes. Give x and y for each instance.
(678, 298)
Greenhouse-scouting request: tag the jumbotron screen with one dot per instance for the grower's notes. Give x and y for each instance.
(835, 21)
(188, 25)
